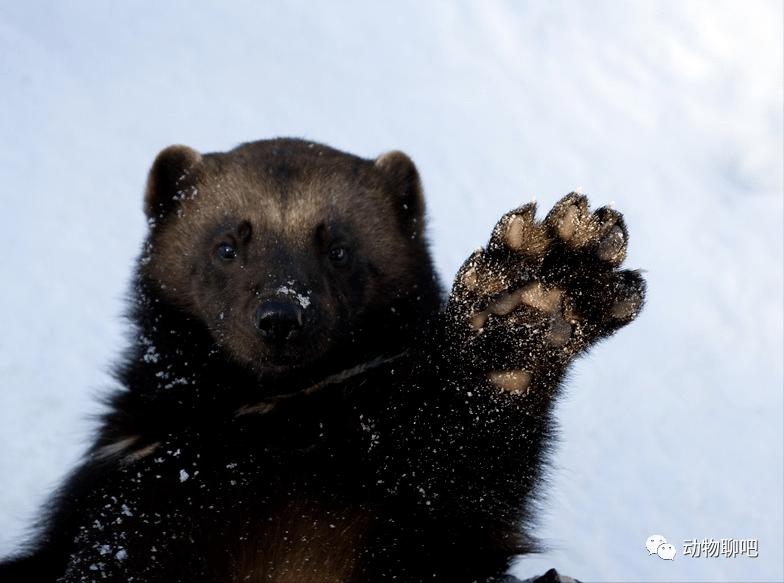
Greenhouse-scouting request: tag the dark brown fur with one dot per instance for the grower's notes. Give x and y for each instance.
(313, 197)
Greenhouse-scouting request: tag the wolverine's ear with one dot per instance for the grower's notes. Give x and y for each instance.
(406, 187)
(165, 182)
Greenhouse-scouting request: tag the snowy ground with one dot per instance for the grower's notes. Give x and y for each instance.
(671, 109)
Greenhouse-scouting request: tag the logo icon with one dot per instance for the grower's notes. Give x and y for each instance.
(666, 551)
(658, 545)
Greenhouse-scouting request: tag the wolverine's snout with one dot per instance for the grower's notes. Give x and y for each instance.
(278, 321)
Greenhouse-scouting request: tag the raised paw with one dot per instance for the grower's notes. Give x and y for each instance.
(543, 292)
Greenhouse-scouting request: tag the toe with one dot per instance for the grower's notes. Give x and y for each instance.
(569, 218)
(612, 236)
(629, 296)
(519, 232)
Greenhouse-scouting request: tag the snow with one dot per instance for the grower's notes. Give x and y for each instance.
(672, 109)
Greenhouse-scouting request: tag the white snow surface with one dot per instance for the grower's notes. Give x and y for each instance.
(670, 109)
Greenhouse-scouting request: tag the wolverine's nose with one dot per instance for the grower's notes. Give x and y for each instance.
(278, 321)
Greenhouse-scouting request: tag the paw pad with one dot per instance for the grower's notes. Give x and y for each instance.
(537, 296)
(566, 227)
(515, 233)
(626, 308)
(534, 295)
(560, 330)
(471, 278)
(516, 382)
(612, 244)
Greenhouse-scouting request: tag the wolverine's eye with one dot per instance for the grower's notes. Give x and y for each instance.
(337, 255)
(227, 252)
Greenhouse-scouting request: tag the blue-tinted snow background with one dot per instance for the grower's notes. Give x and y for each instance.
(671, 109)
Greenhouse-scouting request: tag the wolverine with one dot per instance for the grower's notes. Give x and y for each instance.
(302, 401)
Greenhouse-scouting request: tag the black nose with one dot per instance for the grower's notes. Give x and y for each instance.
(278, 321)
